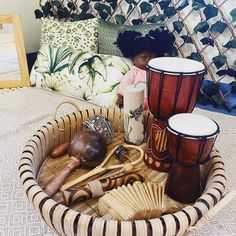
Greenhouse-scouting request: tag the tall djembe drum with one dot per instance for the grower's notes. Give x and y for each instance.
(172, 87)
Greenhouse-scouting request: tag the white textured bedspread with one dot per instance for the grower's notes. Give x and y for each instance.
(23, 111)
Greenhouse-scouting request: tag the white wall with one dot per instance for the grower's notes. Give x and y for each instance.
(31, 26)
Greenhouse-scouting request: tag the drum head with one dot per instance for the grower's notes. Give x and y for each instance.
(176, 65)
(192, 125)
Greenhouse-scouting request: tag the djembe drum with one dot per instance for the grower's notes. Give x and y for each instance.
(172, 87)
(190, 140)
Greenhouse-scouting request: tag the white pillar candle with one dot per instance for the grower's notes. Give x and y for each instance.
(133, 114)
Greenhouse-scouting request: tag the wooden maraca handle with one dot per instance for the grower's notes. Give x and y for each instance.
(54, 184)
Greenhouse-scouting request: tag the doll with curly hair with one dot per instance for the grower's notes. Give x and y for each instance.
(140, 49)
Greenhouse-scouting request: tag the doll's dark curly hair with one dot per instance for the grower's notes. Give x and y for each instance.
(132, 43)
(163, 41)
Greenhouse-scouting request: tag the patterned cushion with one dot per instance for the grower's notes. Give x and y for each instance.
(89, 76)
(108, 33)
(78, 35)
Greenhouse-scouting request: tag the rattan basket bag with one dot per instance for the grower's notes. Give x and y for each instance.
(65, 221)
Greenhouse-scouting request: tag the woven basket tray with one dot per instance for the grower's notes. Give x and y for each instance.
(36, 169)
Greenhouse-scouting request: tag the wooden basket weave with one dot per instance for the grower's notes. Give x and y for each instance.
(65, 221)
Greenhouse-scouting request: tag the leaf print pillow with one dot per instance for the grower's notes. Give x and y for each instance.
(82, 35)
(89, 76)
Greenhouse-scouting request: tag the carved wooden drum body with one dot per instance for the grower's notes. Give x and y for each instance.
(173, 85)
(190, 141)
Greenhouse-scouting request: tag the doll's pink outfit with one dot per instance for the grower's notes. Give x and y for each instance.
(133, 76)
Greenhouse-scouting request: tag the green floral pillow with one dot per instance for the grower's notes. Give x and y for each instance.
(108, 33)
(89, 76)
(81, 35)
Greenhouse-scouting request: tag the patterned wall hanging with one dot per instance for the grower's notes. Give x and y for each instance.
(204, 31)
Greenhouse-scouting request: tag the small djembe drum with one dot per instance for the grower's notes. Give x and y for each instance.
(172, 87)
(190, 140)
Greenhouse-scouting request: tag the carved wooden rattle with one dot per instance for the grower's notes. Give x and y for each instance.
(98, 187)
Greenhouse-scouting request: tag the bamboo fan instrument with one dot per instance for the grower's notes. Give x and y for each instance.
(133, 202)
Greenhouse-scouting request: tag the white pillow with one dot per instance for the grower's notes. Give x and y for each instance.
(90, 76)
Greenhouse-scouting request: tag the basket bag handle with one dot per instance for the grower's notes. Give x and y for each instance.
(64, 102)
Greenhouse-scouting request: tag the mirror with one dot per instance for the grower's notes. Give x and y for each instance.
(13, 64)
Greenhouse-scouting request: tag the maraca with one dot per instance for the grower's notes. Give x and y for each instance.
(87, 149)
(97, 123)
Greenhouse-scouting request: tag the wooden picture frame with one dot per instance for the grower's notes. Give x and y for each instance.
(13, 63)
